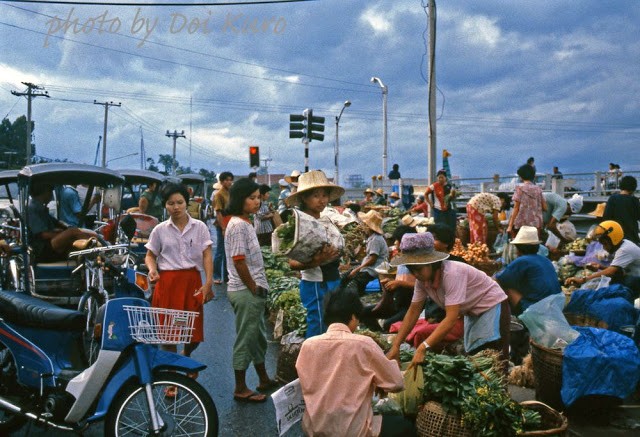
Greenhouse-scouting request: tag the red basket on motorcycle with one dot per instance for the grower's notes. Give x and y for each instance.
(160, 325)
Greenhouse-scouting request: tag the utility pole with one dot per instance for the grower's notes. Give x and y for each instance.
(266, 165)
(431, 65)
(175, 135)
(143, 158)
(30, 94)
(104, 133)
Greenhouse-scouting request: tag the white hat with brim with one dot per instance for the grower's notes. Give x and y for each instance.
(418, 249)
(283, 183)
(526, 235)
(310, 181)
(294, 174)
(386, 269)
(373, 220)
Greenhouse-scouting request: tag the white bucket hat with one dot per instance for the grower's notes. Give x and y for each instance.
(526, 235)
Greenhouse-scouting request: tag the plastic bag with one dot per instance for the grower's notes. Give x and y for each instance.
(387, 406)
(501, 240)
(597, 283)
(509, 253)
(411, 397)
(546, 322)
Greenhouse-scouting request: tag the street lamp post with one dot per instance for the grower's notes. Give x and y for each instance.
(336, 174)
(385, 92)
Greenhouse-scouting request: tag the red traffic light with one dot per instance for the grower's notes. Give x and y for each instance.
(254, 156)
(253, 150)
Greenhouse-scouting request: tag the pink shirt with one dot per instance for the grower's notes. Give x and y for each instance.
(177, 250)
(530, 213)
(338, 373)
(461, 284)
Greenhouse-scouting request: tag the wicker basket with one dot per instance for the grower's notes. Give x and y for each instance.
(553, 422)
(489, 267)
(433, 421)
(547, 369)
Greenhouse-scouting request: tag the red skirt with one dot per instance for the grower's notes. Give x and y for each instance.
(175, 289)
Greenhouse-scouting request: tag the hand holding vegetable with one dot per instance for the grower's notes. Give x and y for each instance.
(575, 281)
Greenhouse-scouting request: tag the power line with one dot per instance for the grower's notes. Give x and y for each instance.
(83, 3)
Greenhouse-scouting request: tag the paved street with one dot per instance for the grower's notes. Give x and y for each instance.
(236, 419)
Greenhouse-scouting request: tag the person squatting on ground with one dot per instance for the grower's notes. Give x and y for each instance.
(340, 370)
(377, 252)
(247, 290)
(320, 275)
(461, 290)
(178, 250)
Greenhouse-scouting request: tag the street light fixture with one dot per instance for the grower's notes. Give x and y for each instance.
(385, 92)
(336, 174)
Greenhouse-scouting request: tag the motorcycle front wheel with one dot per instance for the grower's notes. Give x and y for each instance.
(185, 407)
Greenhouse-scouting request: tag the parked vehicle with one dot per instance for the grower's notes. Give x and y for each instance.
(197, 185)
(134, 387)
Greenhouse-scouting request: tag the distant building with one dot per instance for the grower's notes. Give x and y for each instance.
(355, 181)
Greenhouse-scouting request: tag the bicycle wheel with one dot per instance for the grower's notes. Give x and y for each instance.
(90, 304)
(189, 411)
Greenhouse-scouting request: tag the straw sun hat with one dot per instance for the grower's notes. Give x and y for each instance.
(380, 192)
(394, 195)
(373, 220)
(418, 249)
(408, 220)
(369, 191)
(310, 181)
(526, 235)
(290, 179)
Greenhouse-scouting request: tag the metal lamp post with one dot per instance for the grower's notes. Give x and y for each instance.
(385, 92)
(336, 174)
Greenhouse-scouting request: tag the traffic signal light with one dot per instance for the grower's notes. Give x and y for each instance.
(254, 156)
(314, 125)
(296, 126)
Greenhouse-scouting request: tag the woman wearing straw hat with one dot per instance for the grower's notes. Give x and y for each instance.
(395, 201)
(321, 274)
(461, 290)
(377, 252)
(292, 180)
(368, 197)
(380, 200)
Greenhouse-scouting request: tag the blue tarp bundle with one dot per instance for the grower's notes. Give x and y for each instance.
(373, 286)
(599, 362)
(613, 305)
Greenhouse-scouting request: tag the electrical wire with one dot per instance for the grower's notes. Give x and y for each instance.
(84, 3)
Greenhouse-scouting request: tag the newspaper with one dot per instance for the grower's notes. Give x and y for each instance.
(289, 405)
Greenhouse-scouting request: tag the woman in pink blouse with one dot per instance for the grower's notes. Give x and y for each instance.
(528, 203)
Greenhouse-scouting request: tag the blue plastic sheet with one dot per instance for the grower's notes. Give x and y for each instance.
(613, 305)
(373, 286)
(599, 362)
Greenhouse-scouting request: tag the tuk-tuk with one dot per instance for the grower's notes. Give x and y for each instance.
(197, 185)
(9, 228)
(54, 281)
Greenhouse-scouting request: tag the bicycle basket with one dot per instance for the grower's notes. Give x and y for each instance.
(160, 325)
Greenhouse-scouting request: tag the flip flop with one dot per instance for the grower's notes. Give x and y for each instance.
(217, 281)
(253, 397)
(271, 384)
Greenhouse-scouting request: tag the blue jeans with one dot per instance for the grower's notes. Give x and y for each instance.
(311, 295)
(219, 260)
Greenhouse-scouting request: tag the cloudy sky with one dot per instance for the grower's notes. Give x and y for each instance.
(553, 79)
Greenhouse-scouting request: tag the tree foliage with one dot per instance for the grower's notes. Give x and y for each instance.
(13, 142)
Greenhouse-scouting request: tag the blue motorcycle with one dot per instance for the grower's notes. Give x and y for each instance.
(133, 386)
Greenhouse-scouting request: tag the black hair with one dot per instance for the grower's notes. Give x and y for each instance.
(340, 304)
(396, 166)
(169, 189)
(530, 160)
(240, 190)
(224, 176)
(441, 172)
(507, 199)
(354, 207)
(264, 188)
(401, 230)
(253, 174)
(628, 183)
(444, 233)
(527, 249)
(38, 188)
(526, 172)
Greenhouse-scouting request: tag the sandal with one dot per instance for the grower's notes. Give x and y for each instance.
(252, 398)
(217, 281)
(269, 385)
(171, 391)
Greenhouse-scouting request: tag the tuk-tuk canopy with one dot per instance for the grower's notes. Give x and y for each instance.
(137, 176)
(8, 176)
(62, 173)
(191, 178)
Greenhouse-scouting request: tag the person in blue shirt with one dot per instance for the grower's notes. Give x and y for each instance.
(530, 277)
(70, 206)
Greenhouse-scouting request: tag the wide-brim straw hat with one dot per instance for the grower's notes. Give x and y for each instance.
(380, 192)
(394, 195)
(408, 220)
(418, 249)
(599, 211)
(369, 191)
(312, 180)
(373, 220)
(294, 174)
(526, 235)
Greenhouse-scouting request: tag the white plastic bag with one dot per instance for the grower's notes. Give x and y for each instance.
(546, 322)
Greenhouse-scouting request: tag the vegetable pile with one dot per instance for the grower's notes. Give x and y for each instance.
(578, 245)
(474, 253)
(354, 237)
(287, 232)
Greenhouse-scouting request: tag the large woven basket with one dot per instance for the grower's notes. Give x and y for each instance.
(489, 267)
(553, 422)
(433, 421)
(547, 369)
(585, 320)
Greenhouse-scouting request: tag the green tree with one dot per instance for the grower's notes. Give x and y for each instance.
(167, 162)
(12, 141)
(151, 165)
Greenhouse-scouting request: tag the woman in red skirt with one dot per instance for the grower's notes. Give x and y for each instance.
(178, 250)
